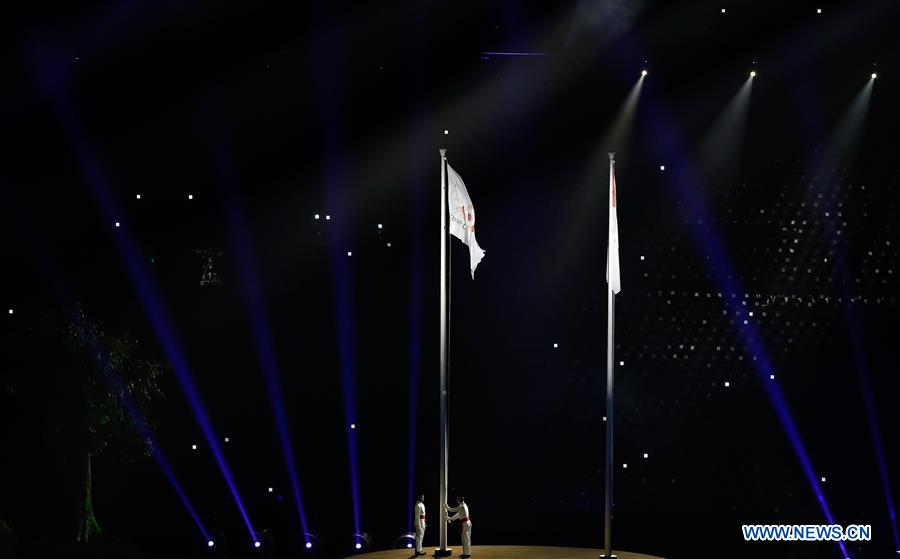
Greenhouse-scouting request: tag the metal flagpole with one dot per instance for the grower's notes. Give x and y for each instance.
(610, 324)
(443, 551)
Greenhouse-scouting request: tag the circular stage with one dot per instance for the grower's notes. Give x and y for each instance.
(510, 552)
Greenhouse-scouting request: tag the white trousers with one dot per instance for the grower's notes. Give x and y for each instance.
(466, 537)
(420, 534)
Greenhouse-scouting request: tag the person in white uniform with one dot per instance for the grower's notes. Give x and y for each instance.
(461, 513)
(419, 523)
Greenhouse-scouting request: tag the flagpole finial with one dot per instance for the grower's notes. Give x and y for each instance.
(612, 156)
(443, 152)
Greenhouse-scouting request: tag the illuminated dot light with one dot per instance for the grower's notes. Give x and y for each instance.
(555, 345)
(727, 384)
(210, 543)
(818, 10)
(662, 167)
(139, 197)
(190, 196)
(643, 72)
(380, 226)
(353, 425)
(349, 253)
(409, 545)
(256, 544)
(193, 447)
(772, 377)
(723, 10)
(227, 439)
(10, 311)
(625, 466)
(446, 132)
(874, 75)
(646, 455)
(823, 479)
(358, 545)
(271, 489)
(327, 217)
(752, 73)
(117, 224)
(316, 216)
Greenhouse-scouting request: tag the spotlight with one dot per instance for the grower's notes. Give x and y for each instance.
(311, 542)
(874, 75)
(643, 72)
(361, 541)
(406, 541)
(210, 543)
(353, 425)
(752, 73)
(823, 479)
(771, 377)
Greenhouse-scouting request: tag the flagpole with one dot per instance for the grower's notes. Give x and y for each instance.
(610, 324)
(443, 550)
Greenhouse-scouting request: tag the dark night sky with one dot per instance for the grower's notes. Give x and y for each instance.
(337, 109)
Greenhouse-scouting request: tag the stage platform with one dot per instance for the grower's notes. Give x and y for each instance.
(509, 552)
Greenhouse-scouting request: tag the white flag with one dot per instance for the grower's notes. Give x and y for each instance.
(462, 217)
(612, 251)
